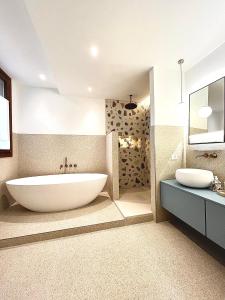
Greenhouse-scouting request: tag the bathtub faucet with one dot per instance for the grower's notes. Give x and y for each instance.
(66, 166)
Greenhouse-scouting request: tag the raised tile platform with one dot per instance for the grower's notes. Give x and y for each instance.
(20, 226)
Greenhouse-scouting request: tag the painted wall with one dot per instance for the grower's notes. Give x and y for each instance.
(8, 170)
(51, 126)
(166, 133)
(9, 165)
(47, 127)
(164, 105)
(209, 69)
(45, 111)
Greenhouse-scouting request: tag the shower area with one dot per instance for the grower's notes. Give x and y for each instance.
(130, 127)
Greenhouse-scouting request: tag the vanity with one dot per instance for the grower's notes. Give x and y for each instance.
(188, 197)
(202, 209)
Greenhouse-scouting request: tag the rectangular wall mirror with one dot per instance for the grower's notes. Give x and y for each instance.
(5, 115)
(206, 114)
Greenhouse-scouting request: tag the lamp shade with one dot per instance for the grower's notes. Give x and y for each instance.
(205, 111)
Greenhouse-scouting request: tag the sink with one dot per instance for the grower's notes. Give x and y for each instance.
(196, 178)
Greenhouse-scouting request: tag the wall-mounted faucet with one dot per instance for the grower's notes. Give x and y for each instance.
(207, 155)
(66, 166)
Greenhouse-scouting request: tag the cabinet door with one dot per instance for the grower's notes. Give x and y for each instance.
(186, 206)
(215, 223)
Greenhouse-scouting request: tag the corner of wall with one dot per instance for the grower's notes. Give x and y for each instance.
(166, 138)
(9, 170)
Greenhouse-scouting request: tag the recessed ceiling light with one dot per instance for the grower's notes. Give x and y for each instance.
(89, 89)
(42, 77)
(94, 51)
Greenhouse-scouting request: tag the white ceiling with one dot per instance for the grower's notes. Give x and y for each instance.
(132, 36)
(21, 53)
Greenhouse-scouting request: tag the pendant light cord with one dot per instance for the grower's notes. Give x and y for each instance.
(180, 62)
(181, 84)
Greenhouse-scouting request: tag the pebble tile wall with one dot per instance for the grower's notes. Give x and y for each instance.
(134, 142)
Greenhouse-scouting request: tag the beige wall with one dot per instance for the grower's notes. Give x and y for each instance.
(112, 164)
(216, 165)
(8, 170)
(166, 141)
(41, 154)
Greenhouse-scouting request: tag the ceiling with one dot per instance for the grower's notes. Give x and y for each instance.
(54, 37)
(21, 53)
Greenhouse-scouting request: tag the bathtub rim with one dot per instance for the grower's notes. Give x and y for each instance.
(22, 180)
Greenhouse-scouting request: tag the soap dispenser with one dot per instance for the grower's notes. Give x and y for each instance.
(216, 184)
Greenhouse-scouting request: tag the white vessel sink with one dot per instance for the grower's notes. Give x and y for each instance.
(196, 178)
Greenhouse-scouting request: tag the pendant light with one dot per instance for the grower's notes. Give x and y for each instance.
(205, 111)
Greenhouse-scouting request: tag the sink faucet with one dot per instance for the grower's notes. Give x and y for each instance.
(207, 155)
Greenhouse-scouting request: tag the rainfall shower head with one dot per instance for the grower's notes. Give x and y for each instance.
(131, 105)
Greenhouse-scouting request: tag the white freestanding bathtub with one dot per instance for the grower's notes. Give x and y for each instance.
(56, 192)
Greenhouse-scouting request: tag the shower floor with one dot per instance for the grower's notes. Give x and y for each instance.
(134, 202)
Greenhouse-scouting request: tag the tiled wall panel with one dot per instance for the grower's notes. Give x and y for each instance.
(134, 142)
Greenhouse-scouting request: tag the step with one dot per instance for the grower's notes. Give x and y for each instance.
(44, 236)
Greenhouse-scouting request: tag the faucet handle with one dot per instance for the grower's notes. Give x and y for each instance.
(213, 155)
(61, 166)
(75, 165)
(66, 164)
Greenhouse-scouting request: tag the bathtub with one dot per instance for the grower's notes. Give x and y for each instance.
(56, 192)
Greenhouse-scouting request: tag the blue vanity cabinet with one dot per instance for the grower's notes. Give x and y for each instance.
(215, 223)
(202, 209)
(181, 203)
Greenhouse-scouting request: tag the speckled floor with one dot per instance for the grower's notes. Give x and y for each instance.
(134, 201)
(137, 262)
(18, 221)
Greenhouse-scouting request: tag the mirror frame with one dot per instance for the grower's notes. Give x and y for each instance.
(189, 109)
(8, 96)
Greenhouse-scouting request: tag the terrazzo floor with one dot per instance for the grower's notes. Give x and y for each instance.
(18, 221)
(134, 201)
(145, 261)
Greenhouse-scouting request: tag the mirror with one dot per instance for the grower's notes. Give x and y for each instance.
(206, 114)
(5, 115)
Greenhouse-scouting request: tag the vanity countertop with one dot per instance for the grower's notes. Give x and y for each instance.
(207, 194)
